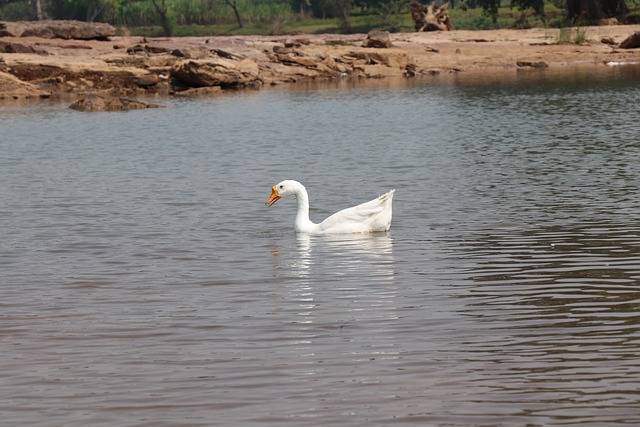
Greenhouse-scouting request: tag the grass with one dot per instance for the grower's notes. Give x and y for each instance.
(571, 35)
(462, 19)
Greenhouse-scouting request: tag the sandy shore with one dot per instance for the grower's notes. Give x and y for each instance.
(135, 66)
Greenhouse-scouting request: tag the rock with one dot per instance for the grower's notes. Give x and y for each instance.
(147, 49)
(70, 47)
(296, 42)
(20, 48)
(133, 50)
(631, 42)
(227, 54)
(410, 70)
(13, 88)
(58, 29)
(157, 49)
(376, 71)
(284, 50)
(198, 53)
(608, 21)
(608, 40)
(147, 80)
(378, 39)
(200, 91)
(397, 60)
(292, 43)
(292, 59)
(538, 64)
(216, 72)
(93, 103)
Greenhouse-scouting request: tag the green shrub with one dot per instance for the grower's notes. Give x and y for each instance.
(632, 18)
(18, 11)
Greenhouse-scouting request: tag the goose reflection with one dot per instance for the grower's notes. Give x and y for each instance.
(337, 291)
(335, 256)
(354, 275)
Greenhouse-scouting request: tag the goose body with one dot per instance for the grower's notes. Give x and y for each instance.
(369, 217)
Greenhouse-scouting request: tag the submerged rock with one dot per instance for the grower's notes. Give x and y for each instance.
(532, 64)
(200, 92)
(93, 102)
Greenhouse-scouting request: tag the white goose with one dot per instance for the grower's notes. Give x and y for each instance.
(372, 216)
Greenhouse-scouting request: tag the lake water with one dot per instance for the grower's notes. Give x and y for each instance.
(145, 283)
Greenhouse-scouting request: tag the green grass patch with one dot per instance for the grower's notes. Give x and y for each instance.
(572, 35)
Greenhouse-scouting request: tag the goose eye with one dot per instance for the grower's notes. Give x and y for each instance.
(281, 187)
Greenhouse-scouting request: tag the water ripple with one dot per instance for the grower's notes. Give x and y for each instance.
(144, 282)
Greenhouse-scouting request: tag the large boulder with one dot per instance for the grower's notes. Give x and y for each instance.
(58, 30)
(216, 72)
(93, 102)
(378, 39)
(631, 42)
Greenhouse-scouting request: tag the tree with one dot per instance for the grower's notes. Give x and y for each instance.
(491, 7)
(39, 14)
(82, 10)
(343, 8)
(167, 19)
(391, 13)
(300, 6)
(233, 4)
(96, 8)
(590, 11)
(586, 11)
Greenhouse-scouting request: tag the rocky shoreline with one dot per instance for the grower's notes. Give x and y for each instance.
(46, 63)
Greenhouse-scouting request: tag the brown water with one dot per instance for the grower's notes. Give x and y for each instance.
(144, 283)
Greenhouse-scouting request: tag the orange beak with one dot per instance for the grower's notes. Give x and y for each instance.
(274, 197)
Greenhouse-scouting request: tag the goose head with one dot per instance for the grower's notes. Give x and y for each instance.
(283, 189)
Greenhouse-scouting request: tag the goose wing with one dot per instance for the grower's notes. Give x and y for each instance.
(374, 215)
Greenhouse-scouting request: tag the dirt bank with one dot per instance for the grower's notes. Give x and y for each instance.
(132, 66)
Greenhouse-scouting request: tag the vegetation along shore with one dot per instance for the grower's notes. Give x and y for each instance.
(72, 59)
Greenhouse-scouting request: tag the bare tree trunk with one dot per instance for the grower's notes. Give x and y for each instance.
(93, 12)
(233, 4)
(165, 21)
(343, 9)
(39, 14)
